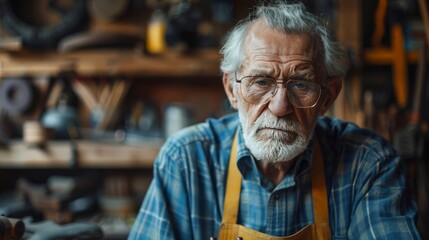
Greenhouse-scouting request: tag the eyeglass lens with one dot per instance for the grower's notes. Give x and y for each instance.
(303, 94)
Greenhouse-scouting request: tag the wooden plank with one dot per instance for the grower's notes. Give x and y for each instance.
(10, 44)
(111, 62)
(57, 154)
(347, 106)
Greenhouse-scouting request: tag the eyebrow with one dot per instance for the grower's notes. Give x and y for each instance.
(306, 75)
(260, 72)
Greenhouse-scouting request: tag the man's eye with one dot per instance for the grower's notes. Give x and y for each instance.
(299, 86)
(262, 81)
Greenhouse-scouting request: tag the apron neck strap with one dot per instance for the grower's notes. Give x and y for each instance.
(233, 187)
(318, 186)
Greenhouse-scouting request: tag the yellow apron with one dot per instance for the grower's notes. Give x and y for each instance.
(319, 230)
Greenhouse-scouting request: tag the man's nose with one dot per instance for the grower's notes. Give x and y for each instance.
(279, 104)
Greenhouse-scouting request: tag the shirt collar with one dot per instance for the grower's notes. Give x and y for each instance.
(246, 163)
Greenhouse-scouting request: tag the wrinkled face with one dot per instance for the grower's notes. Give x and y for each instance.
(275, 130)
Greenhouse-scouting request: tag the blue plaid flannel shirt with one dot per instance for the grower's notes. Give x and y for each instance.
(365, 179)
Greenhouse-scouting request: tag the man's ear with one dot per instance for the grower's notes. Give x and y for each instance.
(229, 90)
(333, 88)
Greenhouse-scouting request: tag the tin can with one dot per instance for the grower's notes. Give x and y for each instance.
(176, 117)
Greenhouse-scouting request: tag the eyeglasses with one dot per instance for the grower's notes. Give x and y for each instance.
(260, 89)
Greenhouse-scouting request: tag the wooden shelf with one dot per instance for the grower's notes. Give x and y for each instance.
(204, 63)
(57, 154)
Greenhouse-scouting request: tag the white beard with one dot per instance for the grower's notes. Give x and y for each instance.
(274, 146)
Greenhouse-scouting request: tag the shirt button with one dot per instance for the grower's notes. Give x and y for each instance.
(276, 196)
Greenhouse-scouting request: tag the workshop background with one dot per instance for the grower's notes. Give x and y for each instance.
(90, 89)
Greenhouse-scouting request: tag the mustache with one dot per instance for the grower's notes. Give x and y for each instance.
(269, 121)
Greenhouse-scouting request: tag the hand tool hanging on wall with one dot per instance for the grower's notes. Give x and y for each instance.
(380, 15)
(182, 24)
(16, 96)
(59, 113)
(394, 13)
(16, 19)
(400, 66)
(102, 12)
(104, 104)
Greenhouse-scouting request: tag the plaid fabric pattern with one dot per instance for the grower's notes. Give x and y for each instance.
(365, 180)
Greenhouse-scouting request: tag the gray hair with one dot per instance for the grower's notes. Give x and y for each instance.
(288, 18)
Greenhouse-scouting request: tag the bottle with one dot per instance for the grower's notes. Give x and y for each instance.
(155, 34)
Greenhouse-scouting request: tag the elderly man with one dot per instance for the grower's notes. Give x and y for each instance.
(278, 169)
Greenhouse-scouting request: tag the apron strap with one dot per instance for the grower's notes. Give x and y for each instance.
(233, 187)
(318, 183)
